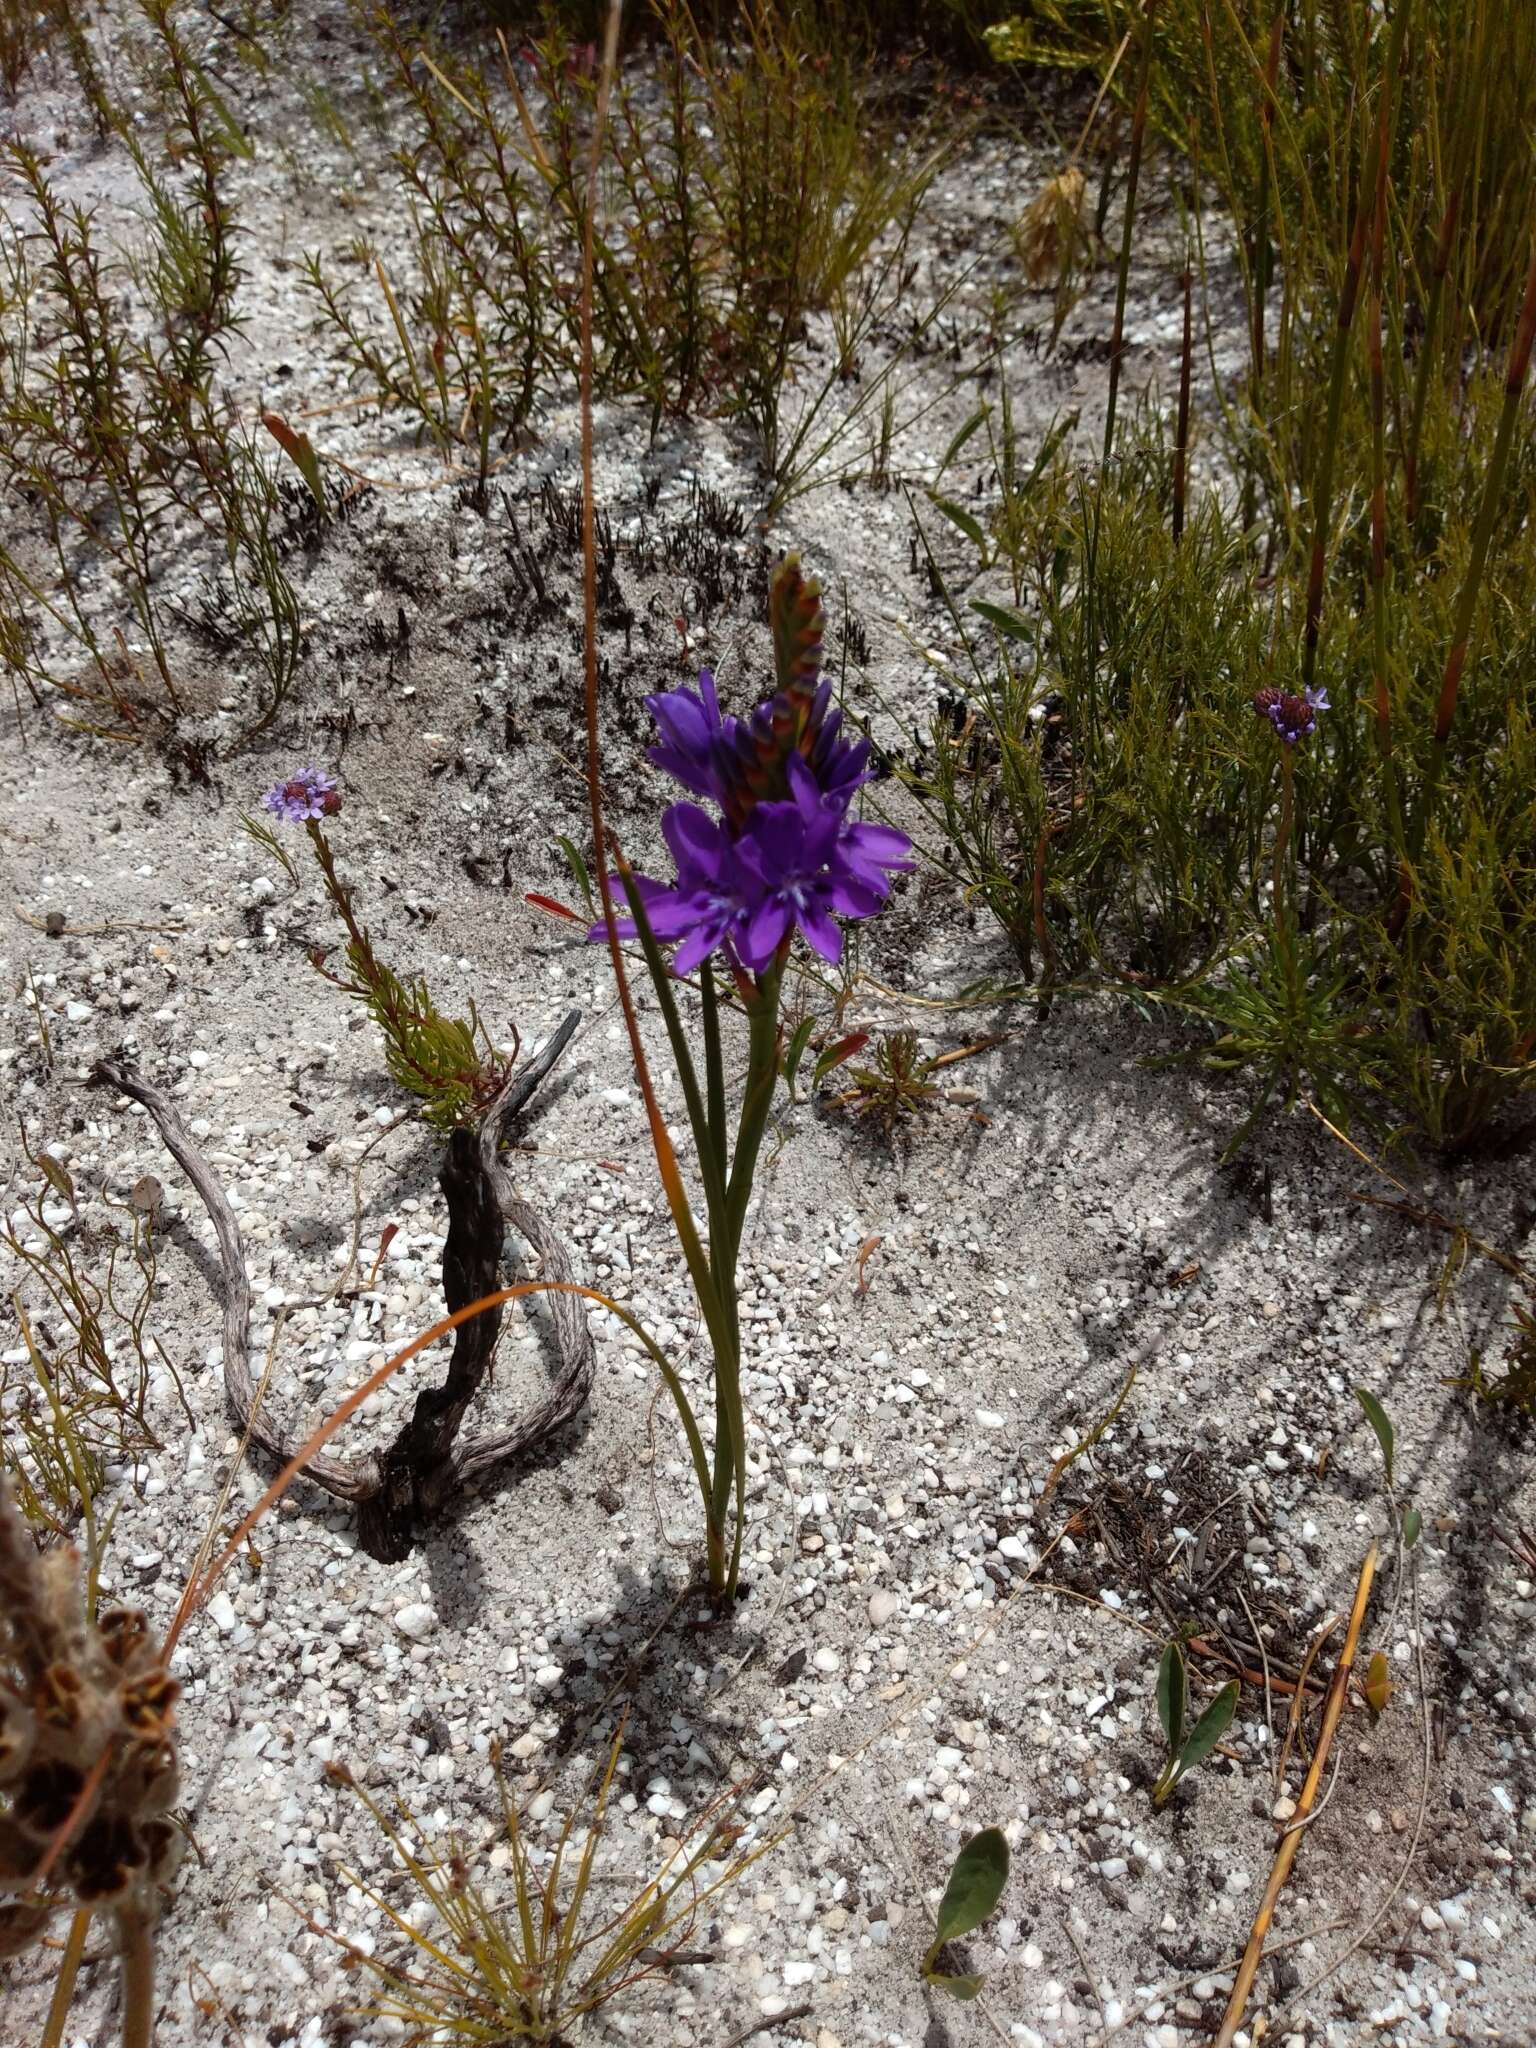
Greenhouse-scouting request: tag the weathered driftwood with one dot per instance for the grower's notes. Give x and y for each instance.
(411, 1480)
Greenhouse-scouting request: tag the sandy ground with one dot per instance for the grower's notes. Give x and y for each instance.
(928, 1645)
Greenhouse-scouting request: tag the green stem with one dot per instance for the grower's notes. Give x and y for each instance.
(711, 1156)
(1283, 836)
(714, 1063)
(1365, 211)
(762, 1073)
(137, 1941)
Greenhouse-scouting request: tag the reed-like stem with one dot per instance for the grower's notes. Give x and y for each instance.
(64, 1983)
(1365, 211)
(1426, 365)
(1132, 178)
(1181, 441)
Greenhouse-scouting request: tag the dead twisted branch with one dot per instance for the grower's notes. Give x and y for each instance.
(426, 1465)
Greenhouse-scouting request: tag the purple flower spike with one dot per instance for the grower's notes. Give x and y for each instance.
(784, 855)
(310, 794)
(1293, 718)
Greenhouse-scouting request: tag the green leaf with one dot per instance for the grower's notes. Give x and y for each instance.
(958, 516)
(579, 875)
(835, 1054)
(1172, 1691)
(1005, 618)
(1210, 1728)
(795, 1050)
(981, 413)
(975, 1885)
(1376, 1416)
(1413, 1524)
(963, 1988)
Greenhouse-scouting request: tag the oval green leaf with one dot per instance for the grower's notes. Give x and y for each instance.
(975, 1886)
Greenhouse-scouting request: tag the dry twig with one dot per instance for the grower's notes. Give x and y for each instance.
(426, 1465)
(1290, 1841)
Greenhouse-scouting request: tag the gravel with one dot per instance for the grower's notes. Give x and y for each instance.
(936, 1637)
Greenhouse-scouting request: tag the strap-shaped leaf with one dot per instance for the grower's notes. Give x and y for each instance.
(1210, 1728)
(1006, 619)
(1376, 1416)
(1172, 1692)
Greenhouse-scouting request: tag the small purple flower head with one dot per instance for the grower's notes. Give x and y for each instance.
(803, 864)
(1293, 718)
(309, 794)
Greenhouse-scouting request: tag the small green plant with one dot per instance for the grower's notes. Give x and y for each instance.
(447, 1063)
(117, 433)
(529, 1955)
(976, 1882)
(92, 1366)
(1187, 1747)
(1515, 1386)
(892, 1089)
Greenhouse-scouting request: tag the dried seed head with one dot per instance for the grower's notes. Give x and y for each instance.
(15, 1737)
(81, 1704)
(105, 1859)
(20, 1926)
(1050, 225)
(47, 1796)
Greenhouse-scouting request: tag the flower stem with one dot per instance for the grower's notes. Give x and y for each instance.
(137, 1940)
(64, 1983)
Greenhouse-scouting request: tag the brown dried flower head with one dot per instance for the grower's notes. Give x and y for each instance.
(1050, 225)
(87, 1714)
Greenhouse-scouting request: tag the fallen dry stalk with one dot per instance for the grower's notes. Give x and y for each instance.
(426, 1465)
(1290, 1841)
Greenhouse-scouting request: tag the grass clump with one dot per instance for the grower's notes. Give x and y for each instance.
(116, 427)
(531, 1953)
(743, 191)
(81, 1400)
(1346, 901)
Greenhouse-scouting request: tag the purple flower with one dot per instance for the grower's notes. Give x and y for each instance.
(310, 794)
(803, 864)
(1293, 718)
(704, 907)
(784, 855)
(695, 739)
(741, 762)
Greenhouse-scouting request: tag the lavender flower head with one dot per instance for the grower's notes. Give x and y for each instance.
(783, 854)
(309, 794)
(1293, 718)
